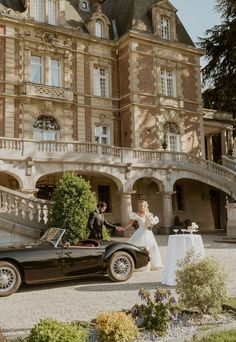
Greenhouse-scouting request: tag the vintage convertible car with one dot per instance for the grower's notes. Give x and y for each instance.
(49, 259)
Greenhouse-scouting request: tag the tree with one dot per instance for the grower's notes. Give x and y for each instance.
(219, 75)
(16, 5)
(72, 201)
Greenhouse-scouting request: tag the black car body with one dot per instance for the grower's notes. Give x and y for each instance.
(48, 259)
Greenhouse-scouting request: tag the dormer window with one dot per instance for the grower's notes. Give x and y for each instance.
(165, 28)
(98, 28)
(164, 20)
(84, 6)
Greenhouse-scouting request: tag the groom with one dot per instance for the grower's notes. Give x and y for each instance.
(96, 220)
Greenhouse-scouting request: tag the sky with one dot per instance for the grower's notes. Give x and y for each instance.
(197, 16)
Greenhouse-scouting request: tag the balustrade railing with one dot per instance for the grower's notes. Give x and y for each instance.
(230, 163)
(97, 152)
(32, 211)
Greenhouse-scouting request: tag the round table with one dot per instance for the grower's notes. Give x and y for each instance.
(178, 246)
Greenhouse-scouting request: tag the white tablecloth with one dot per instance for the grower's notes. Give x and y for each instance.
(177, 247)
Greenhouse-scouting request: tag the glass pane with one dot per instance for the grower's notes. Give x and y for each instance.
(52, 12)
(38, 10)
(36, 69)
(55, 72)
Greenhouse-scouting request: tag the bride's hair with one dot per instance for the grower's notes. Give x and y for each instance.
(145, 203)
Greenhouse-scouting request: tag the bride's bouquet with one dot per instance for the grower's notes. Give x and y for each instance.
(150, 220)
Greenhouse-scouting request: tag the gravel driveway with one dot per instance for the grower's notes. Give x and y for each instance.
(84, 299)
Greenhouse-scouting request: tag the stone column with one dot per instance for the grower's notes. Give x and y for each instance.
(231, 221)
(223, 142)
(167, 211)
(125, 209)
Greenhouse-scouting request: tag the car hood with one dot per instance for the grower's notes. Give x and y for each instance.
(17, 246)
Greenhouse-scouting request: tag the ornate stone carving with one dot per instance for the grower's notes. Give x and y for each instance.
(48, 38)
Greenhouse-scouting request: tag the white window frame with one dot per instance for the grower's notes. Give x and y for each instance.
(168, 82)
(102, 134)
(100, 81)
(55, 73)
(39, 67)
(165, 28)
(39, 11)
(173, 142)
(52, 12)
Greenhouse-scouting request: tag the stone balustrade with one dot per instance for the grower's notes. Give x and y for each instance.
(28, 210)
(97, 153)
(230, 163)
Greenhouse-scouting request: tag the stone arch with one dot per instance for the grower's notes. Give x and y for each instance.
(175, 118)
(46, 127)
(200, 202)
(10, 180)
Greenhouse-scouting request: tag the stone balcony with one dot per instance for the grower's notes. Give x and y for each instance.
(46, 91)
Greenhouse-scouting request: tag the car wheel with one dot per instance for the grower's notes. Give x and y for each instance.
(121, 266)
(10, 279)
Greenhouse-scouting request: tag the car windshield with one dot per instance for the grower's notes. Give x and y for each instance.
(52, 235)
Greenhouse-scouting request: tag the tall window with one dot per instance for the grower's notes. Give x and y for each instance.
(46, 128)
(100, 78)
(39, 10)
(102, 135)
(168, 86)
(172, 136)
(165, 28)
(98, 28)
(55, 73)
(36, 69)
(52, 13)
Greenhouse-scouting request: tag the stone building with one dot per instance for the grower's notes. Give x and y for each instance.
(110, 90)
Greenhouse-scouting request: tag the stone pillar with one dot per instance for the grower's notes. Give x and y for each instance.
(231, 221)
(223, 142)
(209, 148)
(125, 209)
(167, 211)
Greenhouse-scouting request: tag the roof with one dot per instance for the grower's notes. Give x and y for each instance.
(16, 5)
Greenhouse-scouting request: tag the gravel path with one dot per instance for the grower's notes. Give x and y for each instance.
(84, 299)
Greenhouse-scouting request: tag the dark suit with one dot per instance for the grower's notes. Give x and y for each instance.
(95, 222)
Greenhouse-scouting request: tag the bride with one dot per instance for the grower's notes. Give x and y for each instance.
(144, 236)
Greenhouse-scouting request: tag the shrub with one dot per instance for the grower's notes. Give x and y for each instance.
(116, 326)
(201, 283)
(156, 312)
(49, 330)
(72, 201)
(2, 336)
(105, 234)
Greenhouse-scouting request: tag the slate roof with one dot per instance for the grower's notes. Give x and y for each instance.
(16, 5)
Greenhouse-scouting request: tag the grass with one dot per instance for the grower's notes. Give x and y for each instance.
(223, 336)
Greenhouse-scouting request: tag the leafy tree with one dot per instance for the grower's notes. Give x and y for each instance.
(219, 75)
(72, 201)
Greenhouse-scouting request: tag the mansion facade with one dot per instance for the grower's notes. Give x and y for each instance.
(110, 90)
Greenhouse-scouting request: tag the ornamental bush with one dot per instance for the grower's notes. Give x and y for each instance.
(156, 312)
(116, 326)
(2, 336)
(72, 201)
(201, 284)
(49, 330)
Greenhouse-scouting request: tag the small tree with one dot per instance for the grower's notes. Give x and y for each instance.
(201, 283)
(72, 201)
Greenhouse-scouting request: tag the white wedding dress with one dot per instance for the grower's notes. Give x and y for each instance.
(145, 237)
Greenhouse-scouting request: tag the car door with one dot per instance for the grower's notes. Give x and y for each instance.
(81, 260)
(43, 264)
